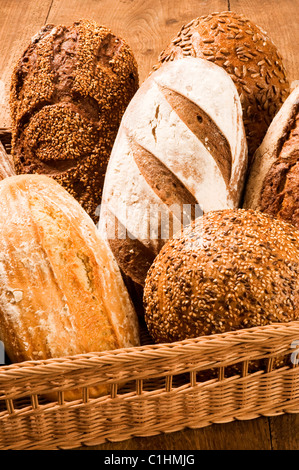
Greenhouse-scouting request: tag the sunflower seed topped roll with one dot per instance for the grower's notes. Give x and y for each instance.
(246, 52)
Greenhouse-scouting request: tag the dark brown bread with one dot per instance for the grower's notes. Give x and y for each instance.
(280, 196)
(273, 181)
(229, 270)
(69, 91)
(248, 55)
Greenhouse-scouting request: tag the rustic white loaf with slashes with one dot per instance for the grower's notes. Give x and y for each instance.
(181, 142)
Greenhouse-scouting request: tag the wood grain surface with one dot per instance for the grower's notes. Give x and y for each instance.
(148, 26)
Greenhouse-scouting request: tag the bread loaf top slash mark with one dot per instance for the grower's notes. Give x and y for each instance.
(279, 194)
(130, 252)
(163, 181)
(204, 128)
(158, 160)
(108, 48)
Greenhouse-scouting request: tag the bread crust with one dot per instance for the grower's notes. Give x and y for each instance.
(272, 185)
(69, 91)
(229, 270)
(61, 291)
(251, 58)
(181, 145)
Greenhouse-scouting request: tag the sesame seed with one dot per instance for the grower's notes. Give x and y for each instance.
(241, 277)
(67, 101)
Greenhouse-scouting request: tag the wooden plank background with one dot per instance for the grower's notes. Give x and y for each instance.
(148, 26)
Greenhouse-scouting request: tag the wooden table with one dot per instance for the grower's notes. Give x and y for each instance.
(148, 26)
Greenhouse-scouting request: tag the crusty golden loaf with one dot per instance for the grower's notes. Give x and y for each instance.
(69, 91)
(229, 270)
(247, 53)
(61, 292)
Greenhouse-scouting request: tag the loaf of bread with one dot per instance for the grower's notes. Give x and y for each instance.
(246, 52)
(68, 93)
(229, 270)
(273, 181)
(6, 164)
(61, 291)
(180, 151)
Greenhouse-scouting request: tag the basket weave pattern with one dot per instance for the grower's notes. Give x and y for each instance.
(152, 388)
(162, 392)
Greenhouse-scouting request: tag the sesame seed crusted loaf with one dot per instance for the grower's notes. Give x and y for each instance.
(228, 270)
(69, 91)
(180, 151)
(273, 181)
(61, 291)
(246, 52)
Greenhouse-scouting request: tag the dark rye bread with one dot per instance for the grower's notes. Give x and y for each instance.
(246, 52)
(180, 151)
(69, 91)
(229, 270)
(273, 181)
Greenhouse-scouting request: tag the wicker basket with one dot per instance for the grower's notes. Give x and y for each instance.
(163, 390)
(152, 388)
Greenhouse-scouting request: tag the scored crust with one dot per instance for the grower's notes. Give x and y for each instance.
(251, 58)
(181, 143)
(272, 185)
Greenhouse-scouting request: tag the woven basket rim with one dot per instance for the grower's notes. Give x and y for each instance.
(254, 336)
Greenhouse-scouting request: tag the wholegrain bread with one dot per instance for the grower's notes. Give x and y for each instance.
(229, 270)
(273, 181)
(69, 90)
(246, 52)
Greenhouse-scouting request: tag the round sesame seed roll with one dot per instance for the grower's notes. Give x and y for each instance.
(228, 270)
(246, 52)
(69, 90)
